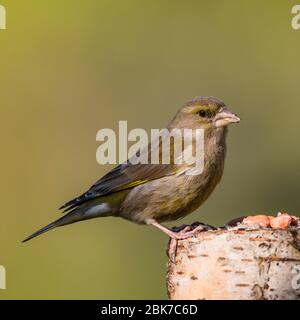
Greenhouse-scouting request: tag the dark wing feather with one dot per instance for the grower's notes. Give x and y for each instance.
(122, 177)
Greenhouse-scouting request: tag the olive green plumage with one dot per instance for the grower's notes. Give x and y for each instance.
(153, 193)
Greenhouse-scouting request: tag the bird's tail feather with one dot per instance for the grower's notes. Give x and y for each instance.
(66, 219)
(94, 209)
(41, 231)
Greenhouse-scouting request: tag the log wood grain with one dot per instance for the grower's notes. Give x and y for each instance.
(235, 263)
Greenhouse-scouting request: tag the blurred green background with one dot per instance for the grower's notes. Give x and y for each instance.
(70, 68)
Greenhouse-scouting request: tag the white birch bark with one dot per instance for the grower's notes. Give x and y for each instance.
(237, 264)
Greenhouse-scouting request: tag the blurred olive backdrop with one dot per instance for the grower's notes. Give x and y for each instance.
(70, 68)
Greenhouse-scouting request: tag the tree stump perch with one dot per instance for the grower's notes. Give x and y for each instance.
(245, 262)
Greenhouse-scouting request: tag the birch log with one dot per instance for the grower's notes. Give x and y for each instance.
(235, 263)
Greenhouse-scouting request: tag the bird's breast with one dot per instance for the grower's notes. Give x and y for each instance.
(172, 197)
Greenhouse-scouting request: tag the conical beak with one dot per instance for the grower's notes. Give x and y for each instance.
(225, 117)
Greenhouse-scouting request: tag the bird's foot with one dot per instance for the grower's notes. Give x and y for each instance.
(181, 233)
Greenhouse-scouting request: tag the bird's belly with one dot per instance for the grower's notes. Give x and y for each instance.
(168, 198)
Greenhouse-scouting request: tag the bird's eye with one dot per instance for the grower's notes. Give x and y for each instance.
(202, 113)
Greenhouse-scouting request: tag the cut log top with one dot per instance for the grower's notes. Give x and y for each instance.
(248, 261)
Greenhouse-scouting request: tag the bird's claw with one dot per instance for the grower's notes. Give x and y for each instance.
(181, 233)
(172, 249)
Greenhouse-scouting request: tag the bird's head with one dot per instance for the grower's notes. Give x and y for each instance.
(204, 113)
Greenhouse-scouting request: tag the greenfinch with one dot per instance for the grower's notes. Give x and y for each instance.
(153, 193)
